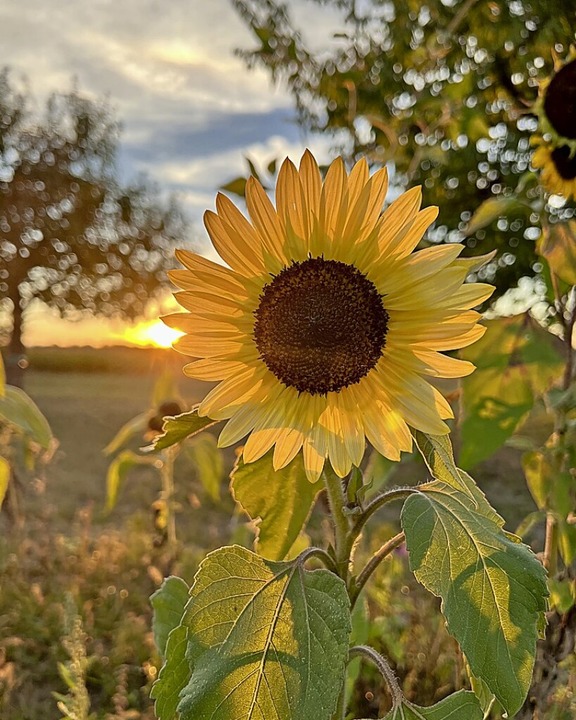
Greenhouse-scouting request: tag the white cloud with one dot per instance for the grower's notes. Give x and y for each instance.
(190, 108)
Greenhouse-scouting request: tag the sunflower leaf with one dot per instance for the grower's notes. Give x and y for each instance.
(436, 451)
(493, 208)
(516, 361)
(5, 471)
(279, 501)
(20, 411)
(173, 676)
(265, 639)
(135, 426)
(208, 462)
(557, 245)
(168, 603)
(493, 588)
(177, 428)
(462, 705)
(117, 472)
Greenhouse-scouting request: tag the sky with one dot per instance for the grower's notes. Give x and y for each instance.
(190, 108)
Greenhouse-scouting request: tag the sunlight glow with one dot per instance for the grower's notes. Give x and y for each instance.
(151, 333)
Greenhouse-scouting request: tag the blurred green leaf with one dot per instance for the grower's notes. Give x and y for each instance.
(279, 501)
(178, 428)
(265, 639)
(19, 410)
(462, 705)
(236, 186)
(493, 589)
(2, 378)
(552, 489)
(208, 463)
(272, 165)
(165, 388)
(135, 426)
(492, 209)
(516, 362)
(116, 474)
(567, 540)
(4, 478)
(252, 168)
(168, 603)
(562, 594)
(557, 245)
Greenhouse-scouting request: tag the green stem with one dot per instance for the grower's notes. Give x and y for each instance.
(373, 506)
(384, 668)
(337, 501)
(322, 555)
(373, 563)
(168, 492)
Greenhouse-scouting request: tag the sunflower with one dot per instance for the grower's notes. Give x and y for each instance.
(323, 329)
(556, 106)
(558, 164)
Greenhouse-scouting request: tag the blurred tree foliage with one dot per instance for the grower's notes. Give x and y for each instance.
(442, 90)
(71, 234)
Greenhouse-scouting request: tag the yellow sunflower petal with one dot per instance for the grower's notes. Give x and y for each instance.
(311, 183)
(334, 201)
(210, 275)
(265, 219)
(233, 247)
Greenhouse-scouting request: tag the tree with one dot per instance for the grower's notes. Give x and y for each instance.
(445, 92)
(71, 234)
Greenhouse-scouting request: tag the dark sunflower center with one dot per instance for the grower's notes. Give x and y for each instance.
(560, 101)
(565, 165)
(320, 326)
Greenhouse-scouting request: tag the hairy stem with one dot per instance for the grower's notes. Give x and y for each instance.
(374, 505)
(337, 501)
(321, 555)
(384, 668)
(168, 492)
(373, 563)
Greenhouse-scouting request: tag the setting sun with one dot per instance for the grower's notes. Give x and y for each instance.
(151, 333)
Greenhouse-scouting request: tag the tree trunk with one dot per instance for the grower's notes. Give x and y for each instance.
(15, 352)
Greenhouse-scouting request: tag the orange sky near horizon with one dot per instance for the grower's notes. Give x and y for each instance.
(44, 327)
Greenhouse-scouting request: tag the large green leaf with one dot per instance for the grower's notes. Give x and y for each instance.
(178, 428)
(168, 603)
(266, 640)
(493, 588)
(462, 705)
(516, 361)
(173, 676)
(439, 457)
(279, 501)
(19, 410)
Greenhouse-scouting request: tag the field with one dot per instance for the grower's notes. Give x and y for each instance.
(68, 558)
